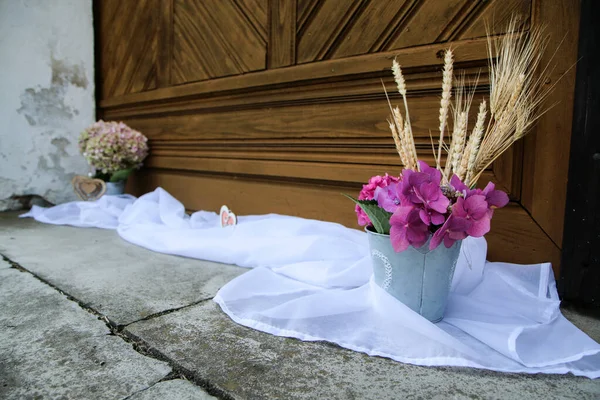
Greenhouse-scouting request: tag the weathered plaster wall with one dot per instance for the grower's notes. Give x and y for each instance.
(46, 95)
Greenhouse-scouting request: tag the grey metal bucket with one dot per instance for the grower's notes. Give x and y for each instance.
(419, 278)
(114, 188)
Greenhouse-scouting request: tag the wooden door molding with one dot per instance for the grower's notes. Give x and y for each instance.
(282, 33)
(164, 64)
(468, 52)
(546, 156)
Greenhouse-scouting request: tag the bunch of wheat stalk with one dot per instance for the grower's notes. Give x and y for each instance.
(516, 93)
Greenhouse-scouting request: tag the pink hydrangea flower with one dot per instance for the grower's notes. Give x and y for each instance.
(411, 181)
(368, 193)
(455, 228)
(475, 210)
(494, 198)
(422, 190)
(363, 218)
(388, 197)
(434, 174)
(471, 214)
(407, 229)
(435, 204)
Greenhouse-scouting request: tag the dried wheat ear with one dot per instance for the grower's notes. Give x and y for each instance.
(516, 95)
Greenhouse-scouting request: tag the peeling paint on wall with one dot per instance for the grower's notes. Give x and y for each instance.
(46, 96)
(46, 105)
(63, 74)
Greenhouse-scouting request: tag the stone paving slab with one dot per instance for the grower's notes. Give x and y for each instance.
(248, 364)
(589, 325)
(116, 278)
(50, 348)
(176, 389)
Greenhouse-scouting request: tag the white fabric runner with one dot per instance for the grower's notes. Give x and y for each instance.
(311, 280)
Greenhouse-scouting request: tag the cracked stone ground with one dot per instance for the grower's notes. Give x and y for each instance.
(86, 315)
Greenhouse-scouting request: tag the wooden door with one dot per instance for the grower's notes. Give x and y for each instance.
(277, 105)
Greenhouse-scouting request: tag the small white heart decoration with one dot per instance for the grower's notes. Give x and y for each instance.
(228, 218)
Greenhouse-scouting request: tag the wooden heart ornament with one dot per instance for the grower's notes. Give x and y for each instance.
(228, 218)
(88, 189)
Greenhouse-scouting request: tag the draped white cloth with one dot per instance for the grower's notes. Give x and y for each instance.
(311, 280)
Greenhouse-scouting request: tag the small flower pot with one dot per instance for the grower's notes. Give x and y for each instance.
(419, 278)
(115, 188)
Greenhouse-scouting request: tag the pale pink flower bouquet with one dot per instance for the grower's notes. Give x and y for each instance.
(440, 203)
(113, 149)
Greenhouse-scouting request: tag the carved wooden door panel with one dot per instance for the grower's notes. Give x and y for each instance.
(278, 106)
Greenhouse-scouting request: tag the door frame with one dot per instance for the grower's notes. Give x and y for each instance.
(579, 282)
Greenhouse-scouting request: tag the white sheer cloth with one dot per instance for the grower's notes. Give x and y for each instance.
(311, 280)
